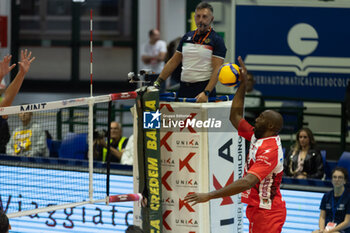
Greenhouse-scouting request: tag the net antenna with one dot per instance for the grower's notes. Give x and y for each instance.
(91, 46)
(91, 123)
(46, 110)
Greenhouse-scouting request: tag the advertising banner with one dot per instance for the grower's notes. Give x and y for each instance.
(182, 154)
(99, 217)
(226, 163)
(198, 144)
(295, 51)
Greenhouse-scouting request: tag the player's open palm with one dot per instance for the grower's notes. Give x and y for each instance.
(195, 198)
(5, 65)
(242, 69)
(26, 60)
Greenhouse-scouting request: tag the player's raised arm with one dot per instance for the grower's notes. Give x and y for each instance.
(5, 67)
(13, 88)
(238, 101)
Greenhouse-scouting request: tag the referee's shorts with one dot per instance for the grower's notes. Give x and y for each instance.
(191, 90)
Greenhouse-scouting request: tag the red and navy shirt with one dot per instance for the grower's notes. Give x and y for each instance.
(197, 52)
(265, 161)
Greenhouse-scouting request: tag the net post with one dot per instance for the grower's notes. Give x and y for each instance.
(108, 146)
(90, 151)
(149, 160)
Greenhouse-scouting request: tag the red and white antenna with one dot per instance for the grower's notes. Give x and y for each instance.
(91, 52)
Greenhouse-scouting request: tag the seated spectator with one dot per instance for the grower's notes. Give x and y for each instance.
(303, 160)
(335, 205)
(117, 144)
(4, 135)
(29, 139)
(4, 223)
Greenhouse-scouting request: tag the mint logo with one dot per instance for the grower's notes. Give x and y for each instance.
(151, 120)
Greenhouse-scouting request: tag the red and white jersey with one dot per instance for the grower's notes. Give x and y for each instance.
(265, 161)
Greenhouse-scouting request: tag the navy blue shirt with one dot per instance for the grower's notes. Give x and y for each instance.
(343, 207)
(197, 53)
(213, 40)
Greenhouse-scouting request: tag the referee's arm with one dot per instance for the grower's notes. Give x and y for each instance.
(170, 66)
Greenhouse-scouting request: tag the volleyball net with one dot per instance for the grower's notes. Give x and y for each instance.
(48, 163)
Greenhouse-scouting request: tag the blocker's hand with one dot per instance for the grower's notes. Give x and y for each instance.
(26, 61)
(195, 198)
(5, 66)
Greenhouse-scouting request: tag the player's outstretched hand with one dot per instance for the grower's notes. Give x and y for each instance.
(26, 60)
(5, 66)
(242, 69)
(195, 198)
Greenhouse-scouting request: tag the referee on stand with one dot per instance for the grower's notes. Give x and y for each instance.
(201, 52)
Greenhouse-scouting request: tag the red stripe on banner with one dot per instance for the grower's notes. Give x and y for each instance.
(165, 215)
(184, 163)
(182, 203)
(217, 185)
(163, 141)
(192, 115)
(168, 106)
(164, 180)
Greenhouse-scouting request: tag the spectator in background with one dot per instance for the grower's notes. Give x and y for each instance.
(335, 205)
(4, 223)
(154, 52)
(201, 52)
(304, 160)
(128, 154)
(176, 75)
(252, 100)
(4, 135)
(29, 139)
(117, 144)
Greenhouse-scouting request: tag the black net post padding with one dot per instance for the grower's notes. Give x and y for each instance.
(109, 119)
(149, 162)
(141, 157)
